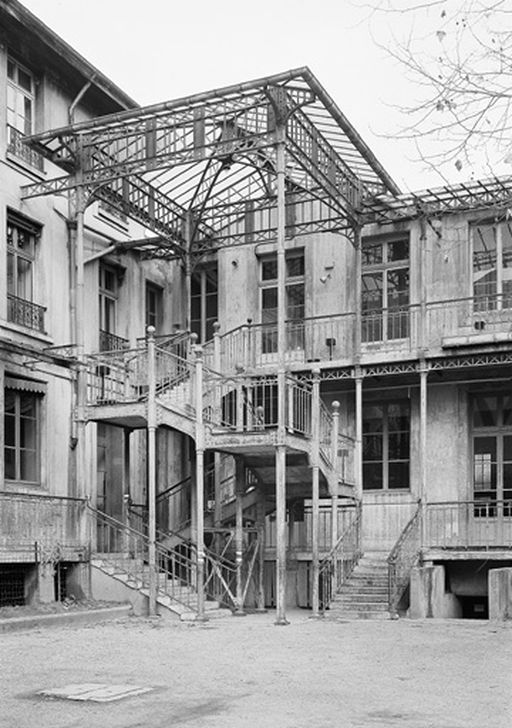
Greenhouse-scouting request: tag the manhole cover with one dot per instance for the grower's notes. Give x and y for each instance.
(96, 692)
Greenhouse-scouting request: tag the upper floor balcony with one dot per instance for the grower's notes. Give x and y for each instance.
(111, 342)
(25, 313)
(403, 332)
(21, 151)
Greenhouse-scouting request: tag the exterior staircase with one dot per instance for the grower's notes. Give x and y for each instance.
(365, 593)
(174, 598)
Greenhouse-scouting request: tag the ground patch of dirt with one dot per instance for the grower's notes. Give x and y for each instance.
(67, 605)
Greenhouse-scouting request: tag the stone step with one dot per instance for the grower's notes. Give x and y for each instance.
(356, 614)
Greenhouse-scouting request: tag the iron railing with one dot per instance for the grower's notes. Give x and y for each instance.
(335, 569)
(404, 329)
(25, 313)
(475, 524)
(111, 342)
(402, 558)
(16, 147)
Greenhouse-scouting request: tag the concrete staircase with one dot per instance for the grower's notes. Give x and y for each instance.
(365, 595)
(125, 579)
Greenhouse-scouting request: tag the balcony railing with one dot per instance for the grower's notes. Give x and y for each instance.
(404, 330)
(25, 313)
(469, 525)
(16, 147)
(26, 519)
(112, 342)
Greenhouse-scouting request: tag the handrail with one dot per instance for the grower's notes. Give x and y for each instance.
(402, 558)
(340, 562)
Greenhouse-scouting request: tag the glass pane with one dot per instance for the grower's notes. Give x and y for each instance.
(195, 307)
(211, 280)
(397, 250)
(507, 410)
(398, 416)
(295, 266)
(24, 279)
(28, 465)
(372, 476)
(195, 285)
(507, 448)
(211, 305)
(398, 287)
(11, 68)
(398, 446)
(27, 114)
(24, 80)
(373, 418)
(371, 292)
(507, 481)
(506, 264)
(11, 285)
(484, 261)
(372, 447)
(295, 301)
(9, 401)
(485, 411)
(398, 475)
(269, 269)
(484, 463)
(9, 429)
(269, 298)
(10, 463)
(28, 433)
(371, 253)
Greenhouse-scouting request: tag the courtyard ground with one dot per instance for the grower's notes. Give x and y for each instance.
(247, 672)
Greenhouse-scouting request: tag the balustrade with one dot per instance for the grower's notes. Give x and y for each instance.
(25, 313)
(16, 147)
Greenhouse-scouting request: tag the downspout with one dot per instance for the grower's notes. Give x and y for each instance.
(78, 98)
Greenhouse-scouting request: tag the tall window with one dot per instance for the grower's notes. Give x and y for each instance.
(153, 306)
(21, 243)
(108, 294)
(492, 266)
(295, 293)
(386, 436)
(204, 302)
(492, 454)
(385, 289)
(20, 112)
(21, 433)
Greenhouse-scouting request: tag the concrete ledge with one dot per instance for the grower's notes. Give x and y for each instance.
(89, 616)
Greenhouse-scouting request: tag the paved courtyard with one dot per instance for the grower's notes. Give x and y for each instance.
(246, 672)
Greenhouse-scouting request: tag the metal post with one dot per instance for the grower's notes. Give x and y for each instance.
(358, 323)
(315, 515)
(423, 454)
(260, 517)
(359, 437)
(280, 456)
(216, 347)
(200, 556)
(152, 425)
(239, 534)
(334, 493)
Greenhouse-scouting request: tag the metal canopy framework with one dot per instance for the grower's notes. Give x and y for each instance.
(200, 172)
(489, 195)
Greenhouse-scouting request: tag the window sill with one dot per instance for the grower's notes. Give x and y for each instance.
(26, 332)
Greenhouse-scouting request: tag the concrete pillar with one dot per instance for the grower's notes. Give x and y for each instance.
(46, 577)
(428, 598)
(500, 594)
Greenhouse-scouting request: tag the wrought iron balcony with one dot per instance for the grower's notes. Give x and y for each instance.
(25, 313)
(16, 147)
(112, 342)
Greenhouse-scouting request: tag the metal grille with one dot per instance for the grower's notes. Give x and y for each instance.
(12, 588)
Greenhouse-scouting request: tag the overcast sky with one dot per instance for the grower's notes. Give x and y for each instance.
(157, 50)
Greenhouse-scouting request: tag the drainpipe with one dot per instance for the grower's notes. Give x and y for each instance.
(77, 99)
